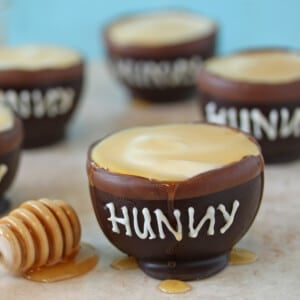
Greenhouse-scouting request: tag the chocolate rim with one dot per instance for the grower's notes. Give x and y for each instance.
(22, 78)
(209, 182)
(158, 52)
(225, 88)
(11, 138)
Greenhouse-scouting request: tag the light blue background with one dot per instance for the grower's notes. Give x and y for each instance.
(77, 23)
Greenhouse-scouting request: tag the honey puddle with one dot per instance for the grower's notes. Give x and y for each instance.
(85, 260)
(240, 256)
(126, 263)
(172, 286)
(140, 103)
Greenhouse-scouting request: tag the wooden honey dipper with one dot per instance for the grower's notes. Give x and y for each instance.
(38, 233)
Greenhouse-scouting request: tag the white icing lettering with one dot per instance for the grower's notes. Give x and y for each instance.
(260, 122)
(245, 120)
(213, 116)
(11, 98)
(147, 224)
(151, 232)
(228, 217)
(232, 116)
(289, 126)
(24, 104)
(66, 102)
(115, 220)
(160, 74)
(36, 104)
(281, 123)
(3, 171)
(52, 102)
(209, 216)
(162, 219)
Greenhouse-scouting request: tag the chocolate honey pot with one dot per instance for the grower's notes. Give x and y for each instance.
(177, 197)
(156, 54)
(42, 85)
(257, 91)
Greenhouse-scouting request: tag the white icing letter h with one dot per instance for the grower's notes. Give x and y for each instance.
(115, 220)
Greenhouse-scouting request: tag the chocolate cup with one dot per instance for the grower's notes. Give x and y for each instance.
(217, 94)
(146, 86)
(165, 257)
(10, 151)
(44, 99)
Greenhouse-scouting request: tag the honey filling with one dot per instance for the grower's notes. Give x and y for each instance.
(34, 57)
(258, 66)
(174, 152)
(160, 28)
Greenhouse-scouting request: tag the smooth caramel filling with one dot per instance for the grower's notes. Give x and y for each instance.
(158, 29)
(261, 67)
(6, 118)
(172, 152)
(34, 57)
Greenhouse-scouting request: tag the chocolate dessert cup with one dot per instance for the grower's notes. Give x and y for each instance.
(177, 229)
(161, 67)
(257, 91)
(42, 84)
(10, 150)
